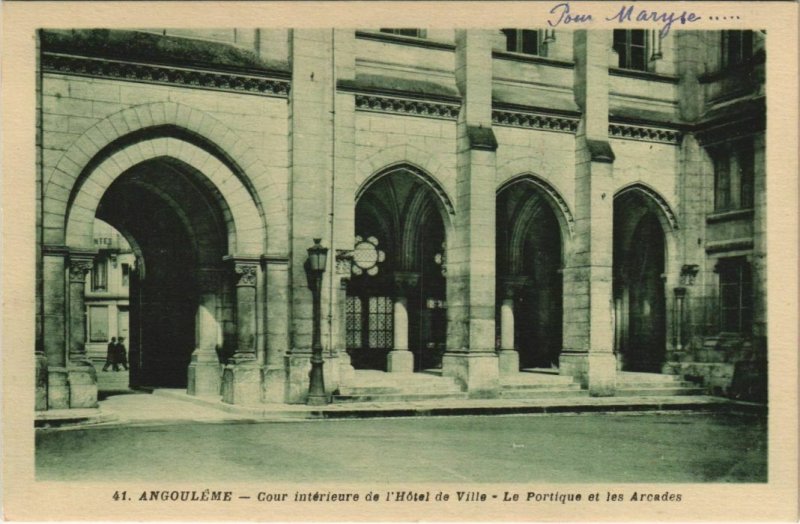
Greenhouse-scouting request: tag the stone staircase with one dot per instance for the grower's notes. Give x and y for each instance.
(528, 384)
(538, 383)
(378, 386)
(633, 384)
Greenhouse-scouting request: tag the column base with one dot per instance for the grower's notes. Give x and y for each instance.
(596, 371)
(508, 361)
(297, 367)
(41, 383)
(241, 383)
(574, 364)
(602, 374)
(204, 376)
(57, 388)
(478, 372)
(82, 378)
(400, 361)
(273, 384)
(347, 373)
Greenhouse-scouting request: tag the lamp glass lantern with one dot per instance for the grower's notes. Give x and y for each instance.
(317, 256)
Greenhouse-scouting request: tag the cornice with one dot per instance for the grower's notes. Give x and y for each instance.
(644, 133)
(407, 106)
(535, 120)
(263, 85)
(405, 40)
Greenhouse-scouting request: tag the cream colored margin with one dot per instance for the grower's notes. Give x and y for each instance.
(25, 499)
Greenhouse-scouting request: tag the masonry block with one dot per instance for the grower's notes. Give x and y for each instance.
(476, 372)
(508, 361)
(400, 362)
(82, 379)
(204, 377)
(40, 401)
(241, 383)
(57, 388)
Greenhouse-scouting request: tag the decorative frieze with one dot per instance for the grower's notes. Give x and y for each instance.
(408, 106)
(644, 134)
(530, 120)
(169, 75)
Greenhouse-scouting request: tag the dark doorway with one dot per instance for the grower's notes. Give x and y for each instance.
(640, 304)
(529, 251)
(164, 212)
(400, 237)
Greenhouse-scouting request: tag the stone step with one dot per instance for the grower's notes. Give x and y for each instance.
(555, 392)
(646, 385)
(395, 390)
(399, 397)
(649, 378)
(535, 386)
(527, 383)
(659, 391)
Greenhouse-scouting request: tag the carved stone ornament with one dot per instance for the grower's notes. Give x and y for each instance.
(689, 273)
(78, 268)
(247, 274)
(407, 106)
(367, 256)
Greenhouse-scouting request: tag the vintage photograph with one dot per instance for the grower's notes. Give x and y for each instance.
(238, 228)
(443, 261)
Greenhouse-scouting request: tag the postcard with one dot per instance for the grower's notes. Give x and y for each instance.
(406, 261)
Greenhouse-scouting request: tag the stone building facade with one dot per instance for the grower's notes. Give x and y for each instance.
(588, 201)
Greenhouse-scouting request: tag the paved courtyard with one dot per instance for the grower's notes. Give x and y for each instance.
(642, 447)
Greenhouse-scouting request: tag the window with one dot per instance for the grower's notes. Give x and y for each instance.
(126, 275)
(522, 41)
(369, 322)
(735, 295)
(418, 33)
(737, 47)
(98, 323)
(100, 275)
(734, 170)
(631, 46)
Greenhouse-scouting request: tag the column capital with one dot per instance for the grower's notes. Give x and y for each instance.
(512, 286)
(405, 282)
(245, 267)
(80, 263)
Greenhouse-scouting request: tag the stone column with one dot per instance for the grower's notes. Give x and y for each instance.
(311, 107)
(508, 355)
(204, 376)
(241, 379)
(680, 295)
(471, 358)
(588, 330)
(400, 359)
(276, 276)
(82, 376)
(54, 310)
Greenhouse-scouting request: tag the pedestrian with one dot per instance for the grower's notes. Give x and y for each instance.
(111, 355)
(121, 355)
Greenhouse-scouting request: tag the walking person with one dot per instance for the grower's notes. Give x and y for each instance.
(111, 355)
(121, 354)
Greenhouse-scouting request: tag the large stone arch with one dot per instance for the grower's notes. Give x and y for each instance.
(444, 203)
(555, 200)
(656, 203)
(245, 235)
(638, 205)
(408, 155)
(196, 136)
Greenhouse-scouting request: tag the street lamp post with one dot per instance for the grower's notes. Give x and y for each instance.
(315, 267)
